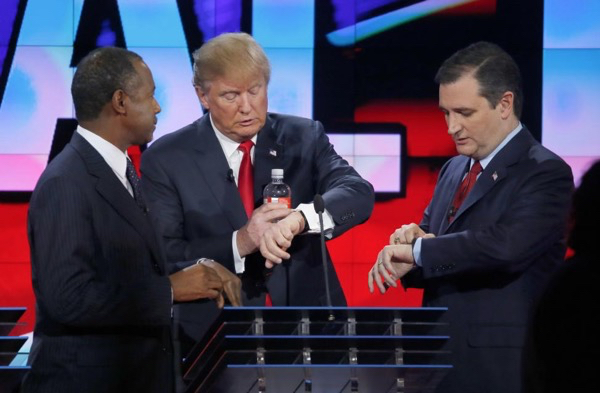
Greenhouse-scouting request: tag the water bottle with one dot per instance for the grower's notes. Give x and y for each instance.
(277, 191)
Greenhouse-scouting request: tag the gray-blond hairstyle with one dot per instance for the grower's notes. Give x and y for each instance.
(232, 55)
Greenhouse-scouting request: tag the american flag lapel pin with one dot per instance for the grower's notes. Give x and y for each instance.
(495, 175)
(273, 152)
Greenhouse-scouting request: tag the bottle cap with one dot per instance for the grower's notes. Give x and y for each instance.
(277, 173)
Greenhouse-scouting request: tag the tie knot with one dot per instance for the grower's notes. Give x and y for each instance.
(246, 146)
(476, 168)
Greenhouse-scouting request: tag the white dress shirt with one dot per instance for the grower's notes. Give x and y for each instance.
(114, 157)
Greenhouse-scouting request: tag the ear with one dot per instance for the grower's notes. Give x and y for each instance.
(506, 104)
(202, 96)
(118, 101)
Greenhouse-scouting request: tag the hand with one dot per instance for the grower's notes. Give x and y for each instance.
(232, 285)
(278, 238)
(393, 262)
(196, 282)
(248, 237)
(407, 233)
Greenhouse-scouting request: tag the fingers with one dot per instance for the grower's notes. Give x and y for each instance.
(406, 234)
(384, 267)
(393, 262)
(233, 293)
(376, 273)
(270, 212)
(220, 300)
(276, 214)
(274, 242)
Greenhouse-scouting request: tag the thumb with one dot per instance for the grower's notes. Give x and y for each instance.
(220, 300)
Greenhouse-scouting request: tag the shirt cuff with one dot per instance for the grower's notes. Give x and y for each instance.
(238, 261)
(312, 220)
(417, 251)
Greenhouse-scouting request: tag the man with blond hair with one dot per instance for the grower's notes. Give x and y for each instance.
(206, 182)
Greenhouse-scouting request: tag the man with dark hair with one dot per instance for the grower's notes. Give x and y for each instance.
(103, 296)
(494, 230)
(207, 179)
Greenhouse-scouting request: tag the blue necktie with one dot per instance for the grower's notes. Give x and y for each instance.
(134, 180)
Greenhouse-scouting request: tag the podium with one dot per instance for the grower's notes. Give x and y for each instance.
(320, 349)
(10, 376)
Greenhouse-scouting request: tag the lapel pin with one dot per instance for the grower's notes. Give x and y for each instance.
(495, 175)
(273, 152)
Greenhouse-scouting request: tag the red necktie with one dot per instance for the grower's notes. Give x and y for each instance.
(464, 189)
(246, 187)
(246, 178)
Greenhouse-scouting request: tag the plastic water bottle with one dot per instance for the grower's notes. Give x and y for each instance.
(277, 191)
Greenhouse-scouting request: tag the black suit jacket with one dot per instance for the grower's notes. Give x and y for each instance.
(184, 175)
(103, 300)
(491, 263)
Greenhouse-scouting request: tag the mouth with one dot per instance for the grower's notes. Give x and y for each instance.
(246, 123)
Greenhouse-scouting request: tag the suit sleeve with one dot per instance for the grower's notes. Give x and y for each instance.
(532, 223)
(348, 197)
(76, 283)
(165, 200)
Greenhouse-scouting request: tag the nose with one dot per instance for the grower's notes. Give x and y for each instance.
(453, 124)
(157, 107)
(244, 103)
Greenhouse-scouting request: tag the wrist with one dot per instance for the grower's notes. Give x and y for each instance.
(244, 242)
(302, 222)
(412, 250)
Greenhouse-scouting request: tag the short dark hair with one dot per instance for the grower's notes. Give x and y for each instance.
(494, 69)
(99, 74)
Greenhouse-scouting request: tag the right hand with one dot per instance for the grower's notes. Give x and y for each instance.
(232, 285)
(407, 233)
(248, 237)
(196, 282)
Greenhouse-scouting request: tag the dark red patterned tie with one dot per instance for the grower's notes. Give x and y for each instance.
(464, 189)
(246, 178)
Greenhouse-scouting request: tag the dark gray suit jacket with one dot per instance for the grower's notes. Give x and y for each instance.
(492, 262)
(184, 175)
(103, 299)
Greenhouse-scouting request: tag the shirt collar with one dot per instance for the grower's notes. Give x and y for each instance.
(229, 145)
(485, 161)
(113, 156)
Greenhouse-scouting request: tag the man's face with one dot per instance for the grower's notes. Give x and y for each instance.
(142, 107)
(238, 108)
(476, 128)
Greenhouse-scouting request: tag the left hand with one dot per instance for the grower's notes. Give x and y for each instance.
(232, 285)
(278, 238)
(392, 263)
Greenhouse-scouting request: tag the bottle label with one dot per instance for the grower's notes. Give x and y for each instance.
(285, 200)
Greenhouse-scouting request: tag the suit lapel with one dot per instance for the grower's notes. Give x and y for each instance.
(113, 191)
(268, 154)
(212, 164)
(496, 171)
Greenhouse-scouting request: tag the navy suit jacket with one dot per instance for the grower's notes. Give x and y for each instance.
(185, 178)
(491, 263)
(103, 301)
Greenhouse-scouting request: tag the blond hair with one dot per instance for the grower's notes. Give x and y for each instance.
(236, 56)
